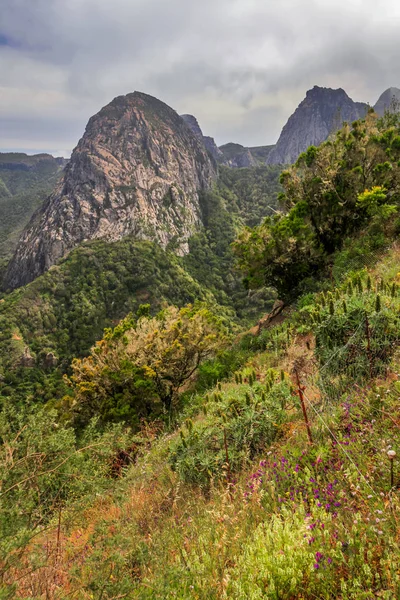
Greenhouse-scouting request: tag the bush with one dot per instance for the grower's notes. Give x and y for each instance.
(237, 425)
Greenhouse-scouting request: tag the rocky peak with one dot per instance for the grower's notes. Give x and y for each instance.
(322, 112)
(193, 123)
(389, 100)
(237, 156)
(209, 142)
(137, 170)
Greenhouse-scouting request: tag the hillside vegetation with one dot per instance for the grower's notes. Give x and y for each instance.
(25, 182)
(65, 311)
(178, 459)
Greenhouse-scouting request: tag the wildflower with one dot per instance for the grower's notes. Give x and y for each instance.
(316, 566)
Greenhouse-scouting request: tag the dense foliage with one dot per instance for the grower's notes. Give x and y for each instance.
(143, 363)
(232, 501)
(265, 468)
(332, 192)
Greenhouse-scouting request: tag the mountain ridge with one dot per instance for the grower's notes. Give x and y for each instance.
(319, 114)
(138, 169)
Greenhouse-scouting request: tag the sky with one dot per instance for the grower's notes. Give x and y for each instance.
(240, 66)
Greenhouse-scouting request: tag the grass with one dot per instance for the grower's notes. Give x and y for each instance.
(235, 502)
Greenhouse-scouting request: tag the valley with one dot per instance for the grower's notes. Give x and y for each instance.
(161, 437)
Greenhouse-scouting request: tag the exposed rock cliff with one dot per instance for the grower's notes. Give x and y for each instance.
(232, 155)
(208, 141)
(138, 169)
(237, 156)
(389, 100)
(321, 112)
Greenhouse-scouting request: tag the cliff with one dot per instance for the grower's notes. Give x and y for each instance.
(137, 170)
(321, 113)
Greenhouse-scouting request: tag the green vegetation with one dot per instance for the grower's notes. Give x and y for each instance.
(177, 460)
(228, 499)
(142, 364)
(66, 310)
(25, 182)
(331, 193)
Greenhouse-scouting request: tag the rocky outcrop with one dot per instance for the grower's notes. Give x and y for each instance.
(209, 142)
(322, 112)
(237, 156)
(27, 360)
(137, 170)
(389, 100)
(231, 155)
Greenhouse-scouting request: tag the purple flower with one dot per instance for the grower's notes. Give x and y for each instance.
(316, 566)
(318, 556)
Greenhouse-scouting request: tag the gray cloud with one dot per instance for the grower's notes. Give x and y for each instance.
(241, 66)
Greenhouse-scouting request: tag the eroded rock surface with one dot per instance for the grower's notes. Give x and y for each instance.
(137, 170)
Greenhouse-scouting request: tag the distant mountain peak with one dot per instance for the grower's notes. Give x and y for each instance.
(208, 141)
(387, 100)
(322, 111)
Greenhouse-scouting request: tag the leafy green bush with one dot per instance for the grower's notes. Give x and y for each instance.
(356, 328)
(236, 426)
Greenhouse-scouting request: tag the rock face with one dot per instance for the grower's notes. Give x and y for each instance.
(321, 113)
(232, 155)
(389, 100)
(137, 170)
(237, 156)
(208, 141)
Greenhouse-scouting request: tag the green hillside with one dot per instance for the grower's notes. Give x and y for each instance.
(182, 456)
(25, 182)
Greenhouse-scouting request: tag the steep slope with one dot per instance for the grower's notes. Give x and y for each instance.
(231, 155)
(321, 113)
(67, 308)
(25, 182)
(208, 141)
(388, 101)
(136, 171)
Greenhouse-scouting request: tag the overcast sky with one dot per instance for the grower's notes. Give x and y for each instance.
(240, 66)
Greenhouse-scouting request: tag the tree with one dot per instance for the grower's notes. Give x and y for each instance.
(331, 192)
(139, 364)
